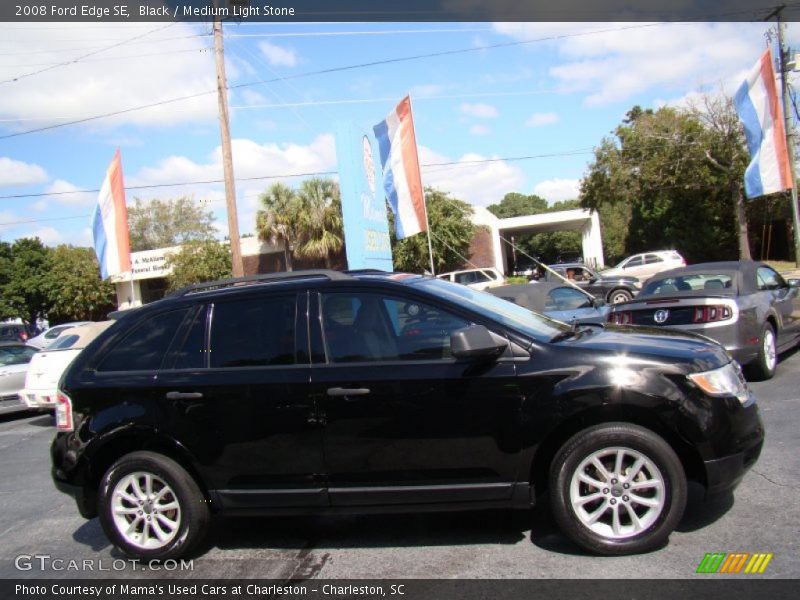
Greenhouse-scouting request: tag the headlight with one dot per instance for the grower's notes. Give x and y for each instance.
(725, 381)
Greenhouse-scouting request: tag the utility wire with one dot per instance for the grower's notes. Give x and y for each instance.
(79, 58)
(328, 71)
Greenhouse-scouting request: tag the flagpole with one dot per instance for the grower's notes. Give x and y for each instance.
(789, 131)
(424, 203)
(133, 295)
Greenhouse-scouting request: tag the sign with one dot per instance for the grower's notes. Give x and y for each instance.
(366, 227)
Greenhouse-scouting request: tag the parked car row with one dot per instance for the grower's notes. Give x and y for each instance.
(29, 374)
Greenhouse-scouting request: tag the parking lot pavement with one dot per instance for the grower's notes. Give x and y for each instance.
(762, 516)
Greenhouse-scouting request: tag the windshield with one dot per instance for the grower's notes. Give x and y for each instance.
(507, 313)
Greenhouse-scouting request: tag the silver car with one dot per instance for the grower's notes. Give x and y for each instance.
(14, 359)
(744, 305)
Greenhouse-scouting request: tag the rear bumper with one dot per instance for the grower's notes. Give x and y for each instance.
(87, 505)
(38, 398)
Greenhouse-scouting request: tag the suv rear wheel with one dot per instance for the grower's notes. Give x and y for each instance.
(151, 508)
(617, 488)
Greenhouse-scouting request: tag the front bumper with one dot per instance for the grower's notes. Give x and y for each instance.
(724, 474)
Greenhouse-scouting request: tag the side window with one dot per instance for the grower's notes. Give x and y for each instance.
(255, 332)
(652, 259)
(190, 353)
(636, 261)
(480, 276)
(769, 279)
(465, 278)
(373, 327)
(143, 348)
(54, 333)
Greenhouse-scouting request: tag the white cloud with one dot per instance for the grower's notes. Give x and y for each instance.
(159, 66)
(50, 236)
(555, 190)
(479, 130)
(16, 172)
(632, 58)
(251, 159)
(277, 56)
(479, 111)
(540, 119)
(6, 216)
(479, 183)
(63, 194)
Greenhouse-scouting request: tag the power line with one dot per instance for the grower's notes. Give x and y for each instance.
(125, 57)
(331, 70)
(75, 60)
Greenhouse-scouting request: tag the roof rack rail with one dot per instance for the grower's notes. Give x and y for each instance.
(367, 272)
(263, 278)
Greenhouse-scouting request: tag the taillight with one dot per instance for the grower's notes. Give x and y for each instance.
(624, 317)
(63, 412)
(24, 336)
(711, 313)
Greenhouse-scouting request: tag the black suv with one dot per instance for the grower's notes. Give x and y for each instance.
(322, 392)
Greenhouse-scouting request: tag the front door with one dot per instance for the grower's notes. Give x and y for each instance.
(404, 421)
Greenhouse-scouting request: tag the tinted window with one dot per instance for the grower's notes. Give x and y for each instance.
(191, 351)
(144, 348)
(373, 327)
(652, 259)
(634, 262)
(691, 282)
(253, 332)
(769, 279)
(54, 332)
(64, 341)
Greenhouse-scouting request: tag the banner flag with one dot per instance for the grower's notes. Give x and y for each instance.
(110, 223)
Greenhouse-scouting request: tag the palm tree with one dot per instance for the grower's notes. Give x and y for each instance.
(280, 219)
(322, 229)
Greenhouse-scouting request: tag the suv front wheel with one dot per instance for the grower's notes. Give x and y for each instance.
(151, 508)
(617, 488)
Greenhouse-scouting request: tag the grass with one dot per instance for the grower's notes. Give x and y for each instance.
(782, 266)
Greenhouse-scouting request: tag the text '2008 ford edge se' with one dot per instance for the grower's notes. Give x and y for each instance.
(323, 392)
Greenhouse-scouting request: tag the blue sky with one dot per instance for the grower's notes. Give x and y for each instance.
(557, 94)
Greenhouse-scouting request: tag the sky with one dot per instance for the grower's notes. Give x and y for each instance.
(511, 107)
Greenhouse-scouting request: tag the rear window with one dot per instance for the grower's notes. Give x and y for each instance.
(65, 341)
(694, 282)
(143, 348)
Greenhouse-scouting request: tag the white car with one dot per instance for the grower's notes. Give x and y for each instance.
(47, 366)
(14, 360)
(480, 279)
(645, 265)
(44, 339)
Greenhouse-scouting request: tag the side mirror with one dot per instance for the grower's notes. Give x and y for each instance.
(794, 283)
(476, 342)
(592, 279)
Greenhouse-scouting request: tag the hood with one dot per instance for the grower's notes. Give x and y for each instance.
(696, 352)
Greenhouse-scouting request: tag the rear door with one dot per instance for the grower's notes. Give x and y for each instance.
(404, 421)
(243, 403)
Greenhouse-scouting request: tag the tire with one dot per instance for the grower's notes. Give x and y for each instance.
(619, 295)
(176, 521)
(766, 363)
(660, 482)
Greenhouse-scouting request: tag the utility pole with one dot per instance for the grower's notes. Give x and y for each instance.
(789, 126)
(227, 155)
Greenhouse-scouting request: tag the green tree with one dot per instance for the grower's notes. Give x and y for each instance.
(163, 223)
(515, 204)
(322, 229)
(658, 166)
(281, 219)
(198, 261)
(25, 264)
(451, 235)
(73, 288)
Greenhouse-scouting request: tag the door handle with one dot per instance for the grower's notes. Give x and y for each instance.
(339, 391)
(184, 395)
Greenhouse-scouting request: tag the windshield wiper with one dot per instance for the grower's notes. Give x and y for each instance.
(574, 331)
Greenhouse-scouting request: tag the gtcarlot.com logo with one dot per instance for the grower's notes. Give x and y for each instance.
(734, 562)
